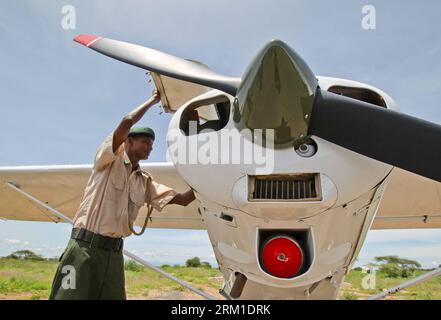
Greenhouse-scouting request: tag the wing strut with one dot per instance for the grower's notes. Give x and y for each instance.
(404, 285)
(126, 253)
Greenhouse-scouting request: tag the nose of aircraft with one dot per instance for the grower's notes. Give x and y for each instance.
(277, 92)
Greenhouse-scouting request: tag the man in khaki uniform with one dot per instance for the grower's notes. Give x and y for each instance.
(92, 266)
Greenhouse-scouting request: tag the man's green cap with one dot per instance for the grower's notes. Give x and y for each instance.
(142, 131)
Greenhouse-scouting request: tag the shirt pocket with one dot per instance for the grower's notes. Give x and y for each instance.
(137, 196)
(118, 178)
(118, 195)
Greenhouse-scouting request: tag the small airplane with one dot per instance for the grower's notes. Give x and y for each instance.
(345, 161)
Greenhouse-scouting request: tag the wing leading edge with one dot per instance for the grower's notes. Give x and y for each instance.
(62, 187)
(410, 201)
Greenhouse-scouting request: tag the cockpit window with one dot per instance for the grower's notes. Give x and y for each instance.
(209, 114)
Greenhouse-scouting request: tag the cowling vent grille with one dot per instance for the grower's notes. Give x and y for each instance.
(298, 187)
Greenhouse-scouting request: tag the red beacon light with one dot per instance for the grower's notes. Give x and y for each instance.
(281, 256)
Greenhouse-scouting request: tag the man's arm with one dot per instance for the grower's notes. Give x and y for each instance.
(184, 198)
(122, 131)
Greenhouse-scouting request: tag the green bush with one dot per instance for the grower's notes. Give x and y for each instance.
(131, 265)
(390, 270)
(405, 273)
(394, 266)
(25, 255)
(193, 262)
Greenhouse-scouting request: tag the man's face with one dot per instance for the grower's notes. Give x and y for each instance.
(140, 147)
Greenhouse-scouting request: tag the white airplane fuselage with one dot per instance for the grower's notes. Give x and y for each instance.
(331, 228)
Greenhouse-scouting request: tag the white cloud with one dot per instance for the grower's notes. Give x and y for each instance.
(173, 255)
(404, 236)
(12, 241)
(425, 253)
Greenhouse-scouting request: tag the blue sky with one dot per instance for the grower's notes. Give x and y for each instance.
(59, 100)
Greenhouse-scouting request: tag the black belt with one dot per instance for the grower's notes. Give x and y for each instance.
(104, 242)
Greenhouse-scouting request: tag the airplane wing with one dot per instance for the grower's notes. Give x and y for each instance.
(62, 186)
(410, 201)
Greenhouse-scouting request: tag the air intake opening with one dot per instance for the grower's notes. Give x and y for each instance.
(361, 94)
(299, 187)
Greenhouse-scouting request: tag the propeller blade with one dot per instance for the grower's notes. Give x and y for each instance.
(160, 62)
(388, 136)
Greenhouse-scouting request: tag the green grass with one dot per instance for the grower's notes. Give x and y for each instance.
(26, 276)
(29, 279)
(142, 279)
(429, 290)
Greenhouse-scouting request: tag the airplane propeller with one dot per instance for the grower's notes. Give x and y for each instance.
(386, 135)
(160, 62)
(279, 91)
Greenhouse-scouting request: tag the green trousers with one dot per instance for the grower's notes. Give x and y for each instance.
(87, 272)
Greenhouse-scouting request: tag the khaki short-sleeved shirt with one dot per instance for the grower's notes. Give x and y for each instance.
(114, 194)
